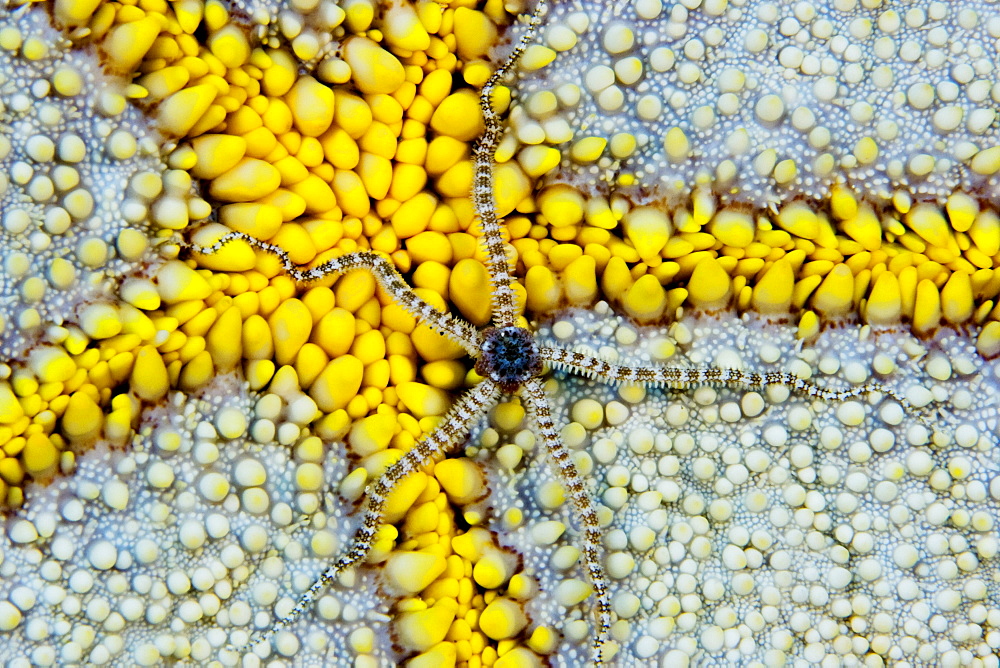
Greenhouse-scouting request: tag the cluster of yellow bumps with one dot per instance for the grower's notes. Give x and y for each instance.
(349, 125)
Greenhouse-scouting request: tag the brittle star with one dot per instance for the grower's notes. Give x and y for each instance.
(509, 359)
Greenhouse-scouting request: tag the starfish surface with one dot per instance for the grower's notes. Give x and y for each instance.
(511, 361)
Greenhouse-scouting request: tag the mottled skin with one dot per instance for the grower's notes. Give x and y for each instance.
(511, 361)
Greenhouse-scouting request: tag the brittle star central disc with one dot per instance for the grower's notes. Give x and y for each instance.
(510, 357)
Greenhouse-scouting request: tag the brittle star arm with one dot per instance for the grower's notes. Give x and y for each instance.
(497, 258)
(677, 377)
(534, 394)
(385, 275)
(452, 432)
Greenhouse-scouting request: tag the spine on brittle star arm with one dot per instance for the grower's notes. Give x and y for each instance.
(692, 377)
(385, 275)
(584, 504)
(457, 422)
(504, 311)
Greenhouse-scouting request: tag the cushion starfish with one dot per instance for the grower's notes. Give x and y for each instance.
(510, 360)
